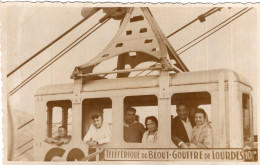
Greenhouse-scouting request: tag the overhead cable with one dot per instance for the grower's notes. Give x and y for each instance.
(215, 31)
(211, 29)
(55, 58)
(201, 18)
(47, 46)
(237, 14)
(204, 15)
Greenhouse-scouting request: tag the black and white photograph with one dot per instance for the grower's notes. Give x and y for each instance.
(130, 82)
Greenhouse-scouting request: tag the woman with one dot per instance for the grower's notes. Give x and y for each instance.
(150, 136)
(202, 133)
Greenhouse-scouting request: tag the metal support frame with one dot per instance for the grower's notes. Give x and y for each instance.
(222, 109)
(77, 110)
(164, 106)
(138, 33)
(49, 121)
(119, 71)
(65, 117)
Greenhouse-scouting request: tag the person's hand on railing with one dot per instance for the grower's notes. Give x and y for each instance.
(92, 143)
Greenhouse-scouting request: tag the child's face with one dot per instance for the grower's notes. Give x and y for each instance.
(62, 132)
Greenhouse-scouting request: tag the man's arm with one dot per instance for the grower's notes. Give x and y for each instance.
(177, 141)
(59, 143)
(67, 140)
(51, 140)
(89, 134)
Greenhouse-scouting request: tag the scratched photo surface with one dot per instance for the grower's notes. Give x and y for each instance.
(107, 82)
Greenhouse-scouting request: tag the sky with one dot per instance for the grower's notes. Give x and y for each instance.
(30, 28)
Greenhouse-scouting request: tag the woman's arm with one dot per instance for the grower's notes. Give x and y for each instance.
(208, 139)
(200, 145)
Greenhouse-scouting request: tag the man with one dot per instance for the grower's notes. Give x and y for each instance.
(133, 130)
(99, 132)
(62, 137)
(181, 127)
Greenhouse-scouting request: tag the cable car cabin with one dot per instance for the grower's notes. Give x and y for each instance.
(224, 95)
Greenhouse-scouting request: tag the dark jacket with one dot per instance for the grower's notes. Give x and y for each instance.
(134, 133)
(178, 132)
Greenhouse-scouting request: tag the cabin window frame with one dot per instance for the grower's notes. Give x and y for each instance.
(189, 112)
(51, 104)
(82, 116)
(123, 117)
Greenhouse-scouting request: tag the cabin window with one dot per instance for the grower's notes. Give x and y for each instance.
(136, 110)
(182, 131)
(58, 114)
(246, 118)
(96, 123)
(93, 106)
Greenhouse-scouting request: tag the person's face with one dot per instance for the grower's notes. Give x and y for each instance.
(130, 116)
(182, 112)
(151, 125)
(62, 132)
(199, 118)
(97, 122)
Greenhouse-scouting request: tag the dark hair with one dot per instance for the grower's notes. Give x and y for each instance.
(96, 115)
(130, 109)
(153, 118)
(200, 110)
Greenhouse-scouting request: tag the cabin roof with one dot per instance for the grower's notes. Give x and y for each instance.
(183, 78)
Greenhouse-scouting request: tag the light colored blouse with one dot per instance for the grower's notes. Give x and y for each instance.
(202, 134)
(149, 138)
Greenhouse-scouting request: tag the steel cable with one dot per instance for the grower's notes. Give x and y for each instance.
(208, 13)
(47, 46)
(211, 29)
(55, 58)
(243, 10)
(215, 31)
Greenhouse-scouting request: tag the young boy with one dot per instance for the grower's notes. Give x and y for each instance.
(62, 137)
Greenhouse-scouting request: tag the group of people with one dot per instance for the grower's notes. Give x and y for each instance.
(135, 132)
(186, 131)
(191, 132)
